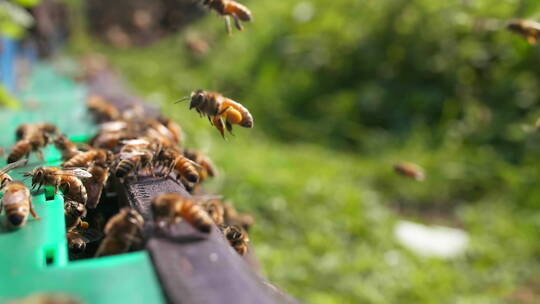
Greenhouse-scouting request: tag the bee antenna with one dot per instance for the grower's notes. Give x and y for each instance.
(182, 99)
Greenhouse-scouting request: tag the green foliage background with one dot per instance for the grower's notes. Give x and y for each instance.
(340, 90)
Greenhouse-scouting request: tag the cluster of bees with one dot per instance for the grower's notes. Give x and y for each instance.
(127, 145)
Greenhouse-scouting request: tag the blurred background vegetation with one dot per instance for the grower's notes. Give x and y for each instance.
(342, 90)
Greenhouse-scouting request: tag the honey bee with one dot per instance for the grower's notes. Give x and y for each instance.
(218, 108)
(23, 130)
(17, 202)
(173, 160)
(121, 231)
(215, 210)
(169, 208)
(133, 158)
(73, 214)
(526, 28)
(237, 237)
(31, 138)
(4, 176)
(78, 239)
(94, 185)
(102, 109)
(68, 180)
(87, 158)
(206, 167)
(231, 8)
(66, 147)
(167, 129)
(410, 170)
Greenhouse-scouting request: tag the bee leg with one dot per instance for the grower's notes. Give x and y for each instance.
(32, 211)
(237, 23)
(229, 127)
(228, 27)
(219, 125)
(211, 123)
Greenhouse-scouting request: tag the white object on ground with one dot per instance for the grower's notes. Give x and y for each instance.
(431, 241)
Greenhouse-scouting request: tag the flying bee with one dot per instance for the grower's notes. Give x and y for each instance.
(4, 176)
(66, 147)
(33, 137)
(17, 202)
(231, 8)
(94, 185)
(169, 208)
(218, 109)
(78, 239)
(68, 180)
(206, 167)
(102, 109)
(410, 170)
(73, 214)
(215, 210)
(121, 231)
(237, 237)
(173, 160)
(87, 158)
(526, 28)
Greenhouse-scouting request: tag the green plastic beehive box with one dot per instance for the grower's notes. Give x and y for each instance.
(34, 259)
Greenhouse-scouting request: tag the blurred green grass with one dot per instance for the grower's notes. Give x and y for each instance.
(339, 98)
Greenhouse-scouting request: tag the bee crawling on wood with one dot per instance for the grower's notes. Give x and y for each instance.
(170, 208)
(230, 8)
(237, 237)
(526, 28)
(218, 109)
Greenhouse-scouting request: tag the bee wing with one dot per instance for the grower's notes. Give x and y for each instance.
(14, 165)
(135, 142)
(194, 163)
(90, 235)
(131, 154)
(78, 172)
(113, 126)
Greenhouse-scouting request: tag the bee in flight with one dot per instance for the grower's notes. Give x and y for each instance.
(66, 179)
(410, 170)
(526, 28)
(218, 109)
(18, 203)
(230, 8)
